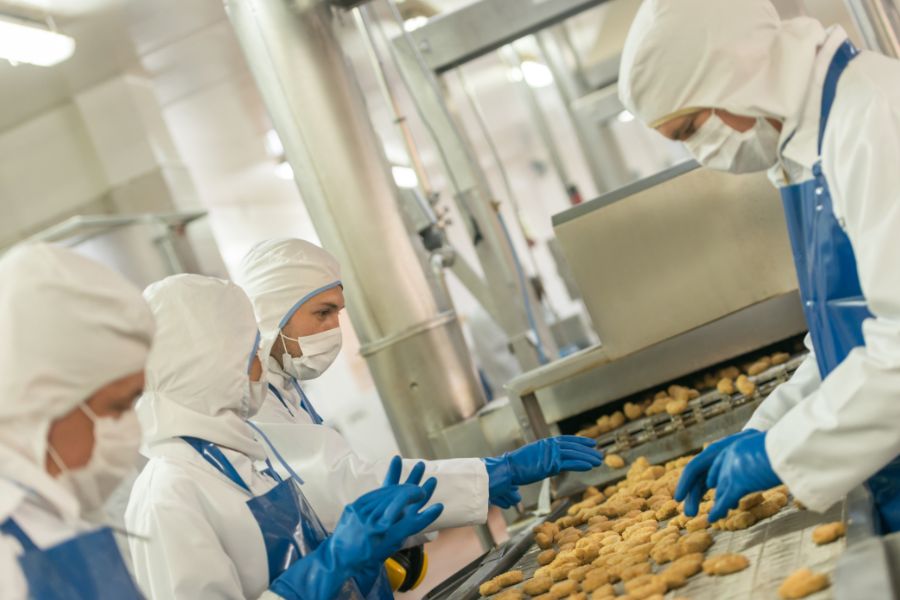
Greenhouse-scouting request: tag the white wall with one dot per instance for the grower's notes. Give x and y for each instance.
(48, 168)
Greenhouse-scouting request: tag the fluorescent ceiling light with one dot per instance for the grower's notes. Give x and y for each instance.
(405, 177)
(625, 117)
(23, 42)
(536, 74)
(283, 170)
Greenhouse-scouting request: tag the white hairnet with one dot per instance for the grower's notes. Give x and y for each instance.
(197, 375)
(737, 55)
(280, 276)
(70, 326)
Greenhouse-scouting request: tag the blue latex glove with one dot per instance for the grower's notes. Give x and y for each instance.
(536, 461)
(742, 469)
(369, 531)
(692, 484)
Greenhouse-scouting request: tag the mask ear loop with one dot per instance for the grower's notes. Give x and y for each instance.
(56, 458)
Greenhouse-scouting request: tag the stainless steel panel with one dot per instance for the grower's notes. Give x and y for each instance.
(590, 378)
(676, 251)
(454, 38)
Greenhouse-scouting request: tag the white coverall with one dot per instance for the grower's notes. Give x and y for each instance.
(202, 540)
(825, 437)
(278, 274)
(70, 326)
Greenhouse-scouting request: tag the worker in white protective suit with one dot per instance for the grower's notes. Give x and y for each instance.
(746, 91)
(218, 519)
(296, 290)
(75, 339)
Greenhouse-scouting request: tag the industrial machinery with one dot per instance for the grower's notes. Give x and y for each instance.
(683, 273)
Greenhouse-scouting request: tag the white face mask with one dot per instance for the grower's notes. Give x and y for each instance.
(115, 453)
(718, 146)
(319, 351)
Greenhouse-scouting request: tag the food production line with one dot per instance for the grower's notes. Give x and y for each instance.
(687, 277)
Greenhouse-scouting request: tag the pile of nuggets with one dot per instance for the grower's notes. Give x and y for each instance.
(618, 536)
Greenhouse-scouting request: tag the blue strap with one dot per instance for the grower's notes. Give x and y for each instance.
(278, 395)
(277, 454)
(271, 472)
(306, 405)
(214, 456)
(11, 528)
(842, 58)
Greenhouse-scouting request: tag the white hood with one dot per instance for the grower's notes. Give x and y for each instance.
(280, 276)
(197, 375)
(737, 55)
(70, 326)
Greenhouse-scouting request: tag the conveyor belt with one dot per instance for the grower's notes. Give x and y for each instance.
(662, 437)
(776, 547)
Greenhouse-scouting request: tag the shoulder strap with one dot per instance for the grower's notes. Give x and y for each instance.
(278, 395)
(214, 456)
(11, 528)
(842, 58)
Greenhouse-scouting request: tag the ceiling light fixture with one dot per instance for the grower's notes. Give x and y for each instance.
(31, 43)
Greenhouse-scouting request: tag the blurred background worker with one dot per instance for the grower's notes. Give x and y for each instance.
(221, 522)
(746, 91)
(297, 294)
(75, 340)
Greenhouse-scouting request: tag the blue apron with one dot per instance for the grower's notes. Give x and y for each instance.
(88, 565)
(833, 301)
(289, 525)
(305, 404)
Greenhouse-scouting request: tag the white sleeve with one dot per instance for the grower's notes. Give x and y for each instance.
(848, 429)
(802, 383)
(182, 556)
(334, 475)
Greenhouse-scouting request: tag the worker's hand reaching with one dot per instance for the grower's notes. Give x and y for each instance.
(369, 531)
(692, 485)
(536, 461)
(743, 468)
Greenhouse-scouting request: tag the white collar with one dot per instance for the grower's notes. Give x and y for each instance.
(802, 129)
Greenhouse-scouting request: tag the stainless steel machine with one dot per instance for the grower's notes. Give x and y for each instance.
(682, 273)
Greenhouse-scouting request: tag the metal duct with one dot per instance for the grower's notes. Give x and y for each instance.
(416, 351)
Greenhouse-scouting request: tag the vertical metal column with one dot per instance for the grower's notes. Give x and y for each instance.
(416, 352)
(514, 300)
(600, 151)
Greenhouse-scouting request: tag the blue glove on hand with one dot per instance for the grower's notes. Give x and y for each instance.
(742, 469)
(369, 531)
(692, 484)
(536, 461)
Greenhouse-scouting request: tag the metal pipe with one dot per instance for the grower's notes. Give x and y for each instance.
(399, 118)
(417, 356)
(601, 154)
(474, 199)
(513, 59)
(879, 23)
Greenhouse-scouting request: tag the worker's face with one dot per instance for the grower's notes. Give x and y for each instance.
(320, 313)
(683, 127)
(72, 435)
